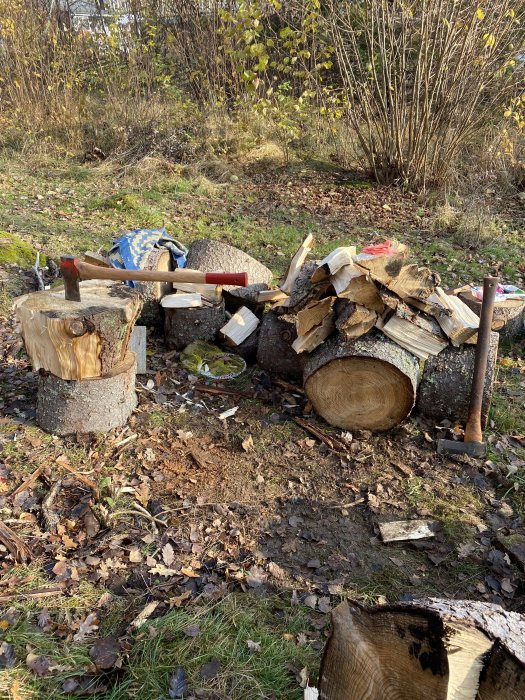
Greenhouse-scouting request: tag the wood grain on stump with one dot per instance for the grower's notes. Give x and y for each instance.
(78, 340)
(508, 319)
(93, 405)
(152, 292)
(444, 391)
(275, 353)
(368, 384)
(183, 326)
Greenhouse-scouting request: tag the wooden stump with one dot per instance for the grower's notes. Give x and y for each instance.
(508, 320)
(444, 391)
(78, 340)
(429, 649)
(275, 353)
(248, 348)
(152, 292)
(245, 296)
(87, 406)
(368, 384)
(213, 256)
(183, 326)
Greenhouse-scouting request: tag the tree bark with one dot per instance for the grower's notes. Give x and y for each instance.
(183, 326)
(439, 649)
(77, 340)
(366, 384)
(445, 387)
(275, 353)
(508, 319)
(93, 405)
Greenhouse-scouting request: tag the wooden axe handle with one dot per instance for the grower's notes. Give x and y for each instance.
(93, 272)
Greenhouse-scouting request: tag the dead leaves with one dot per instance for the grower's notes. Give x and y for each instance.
(87, 627)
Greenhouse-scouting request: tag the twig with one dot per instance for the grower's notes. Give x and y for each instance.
(51, 518)
(90, 484)
(17, 546)
(288, 386)
(35, 594)
(29, 481)
(218, 390)
(332, 442)
(357, 502)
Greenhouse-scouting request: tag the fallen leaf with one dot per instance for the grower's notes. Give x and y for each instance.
(247, 444)
(135, 555)
(161, 570)
(87, 626)
(68, 542)
(7, 655)
(43, 619)
(69, 685)
(143, 615)
(168, 555)
(38, 664)
(256, 577)
(229, 413)
(143, 493)
(105, 652)
(188, 571)
(310, 601)
(91, 524)
(313, 564)
(324, 605)
(210, 670)
(192, 631)
(178, 685)
(253, 646)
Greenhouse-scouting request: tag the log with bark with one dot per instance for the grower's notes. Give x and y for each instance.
(455, 318)
(94, 405)
(78, 340)
(353, 320)
(183, 326)
(304, 291)
(429, 649)
(508, 319)
(361, 290)
(159, 259)
(444, 391)
(367, 384)
(275, 353)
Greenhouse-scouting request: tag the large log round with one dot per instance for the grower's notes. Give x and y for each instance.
(213, 256)
(508, 319)
(275, 353)
(159, 260)
(445, 387)
(183, 326)
(88, 406)
(369, 384)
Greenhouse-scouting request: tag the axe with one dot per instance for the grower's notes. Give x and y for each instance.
(74, 270)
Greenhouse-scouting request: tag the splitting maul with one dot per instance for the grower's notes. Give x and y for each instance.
(74, 270)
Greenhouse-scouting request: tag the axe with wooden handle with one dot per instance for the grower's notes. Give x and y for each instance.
(74, 270)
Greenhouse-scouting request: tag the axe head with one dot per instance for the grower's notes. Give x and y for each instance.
(71, 277)
(458, 447)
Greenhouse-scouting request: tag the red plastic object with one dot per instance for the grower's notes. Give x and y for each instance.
(239, 279)
(378, 249)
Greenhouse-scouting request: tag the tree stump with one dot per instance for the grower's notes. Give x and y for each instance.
(368, 384)
(183, 326)
(275, 353)
(93, 405)
(444, 391)
(248, 348)
(438, 649)
(213, 256)
(152, 292)
(245, 296)
(508, 319)
(77, 340)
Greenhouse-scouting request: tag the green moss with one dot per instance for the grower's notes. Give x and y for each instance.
(13, 249)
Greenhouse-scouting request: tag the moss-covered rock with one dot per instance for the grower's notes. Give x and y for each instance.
(14, 249)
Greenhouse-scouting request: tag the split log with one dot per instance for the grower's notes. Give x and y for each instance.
(93, 405)
(181, 300)
(439, 649)
(333, 262)
(316, 335)
(353, 320)
(296, 264)
(342, 278)
(158, 260)
(368, 384)
(138, 345)
(382, 268)
(445, 387)
(409, 335)
(303, 291)
(361, 290)
(508, 319)
(213, 256)
(275, 353)
(78, 340)
(240, 326)
(183, 326)
(455, 318)
(271, 295)
(209, 292)
(96, 259)
(313, 314)
(414, 282)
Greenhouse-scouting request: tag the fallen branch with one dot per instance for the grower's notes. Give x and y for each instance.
(288, 386)
(87, 482)
(35, 594)
(332, 442)
(51, 517)
(218, 390)
(18, 548)
(28, 482)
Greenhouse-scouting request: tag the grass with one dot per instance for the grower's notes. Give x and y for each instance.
(159, 647)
